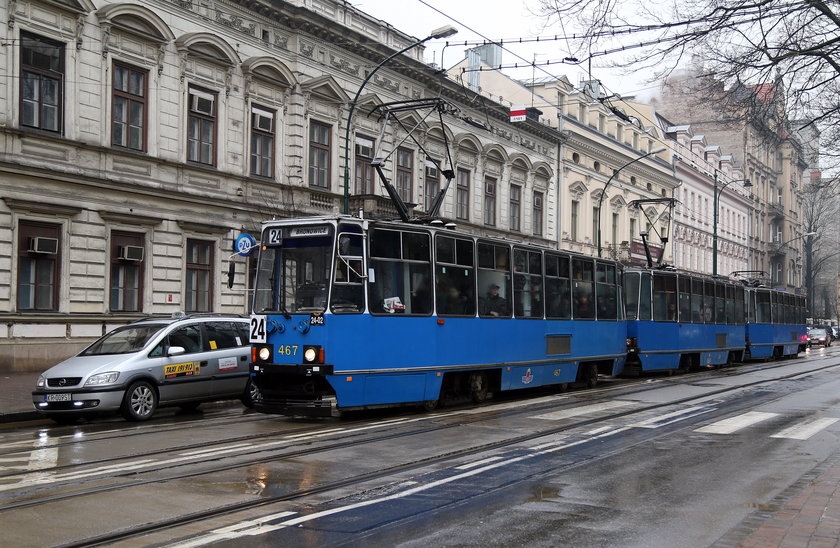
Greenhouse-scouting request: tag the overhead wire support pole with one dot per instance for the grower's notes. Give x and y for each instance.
(715, 204)
(607, 185)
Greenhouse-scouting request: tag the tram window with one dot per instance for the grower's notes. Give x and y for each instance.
(385, 244)
(739, 305)
(454, 276)
(644, 297)
(631, 295)
(348, 288)
(582, 289)
(788, 310)
(762, 306)
(401, 275)
(493, 280)
(720, 303)
(696, 301)
(684, 298)
(558, 294)
(801, 319)
(605, 293)
(527, 284)
(709, 302)
(774, 307)
(730, 304)
(749, 305)
(349, 244)
(266, 296)
(664, 298)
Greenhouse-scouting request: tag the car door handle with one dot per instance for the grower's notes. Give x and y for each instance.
(202, 364)
(243, 358)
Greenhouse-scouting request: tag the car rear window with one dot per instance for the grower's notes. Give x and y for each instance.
(226, 334)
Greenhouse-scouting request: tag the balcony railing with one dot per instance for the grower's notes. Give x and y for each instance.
(776, 209)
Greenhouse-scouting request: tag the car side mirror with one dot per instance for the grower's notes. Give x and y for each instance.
(175, 350)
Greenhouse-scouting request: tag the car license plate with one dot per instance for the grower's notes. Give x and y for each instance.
(59, 397)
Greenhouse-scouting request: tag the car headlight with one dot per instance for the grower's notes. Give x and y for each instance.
(41, 382)
(103, 378)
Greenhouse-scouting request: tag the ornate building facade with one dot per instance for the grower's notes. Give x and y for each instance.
(141, 139)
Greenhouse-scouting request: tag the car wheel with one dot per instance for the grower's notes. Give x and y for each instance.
(139, 402)
(252, 393)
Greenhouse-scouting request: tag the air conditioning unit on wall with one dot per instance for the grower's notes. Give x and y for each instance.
(43, 245)
(130, 252)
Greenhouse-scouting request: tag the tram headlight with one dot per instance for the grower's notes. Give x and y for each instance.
(261, 353)
(313, 354)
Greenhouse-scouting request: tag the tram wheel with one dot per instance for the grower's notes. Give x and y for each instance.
(478, 387)
(430, 405)
(562, 387)
(591, 376)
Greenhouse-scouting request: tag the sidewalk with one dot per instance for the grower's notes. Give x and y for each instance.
(16, 396)
(805, 515)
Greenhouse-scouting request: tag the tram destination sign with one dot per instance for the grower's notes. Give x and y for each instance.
(304, 231)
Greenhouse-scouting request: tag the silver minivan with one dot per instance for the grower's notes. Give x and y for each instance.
(136, 368)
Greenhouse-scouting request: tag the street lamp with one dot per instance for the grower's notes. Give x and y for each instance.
(442, 32)
(715, 203)
(614, 173)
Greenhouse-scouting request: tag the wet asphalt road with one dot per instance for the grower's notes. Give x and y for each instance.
(665, 461)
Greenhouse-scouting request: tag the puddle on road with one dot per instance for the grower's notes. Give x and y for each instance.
(540, 493)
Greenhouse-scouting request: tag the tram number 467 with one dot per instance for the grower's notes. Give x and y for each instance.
(258, 329)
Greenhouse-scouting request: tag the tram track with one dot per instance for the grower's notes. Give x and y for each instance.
(496, 409)
(626, 390)
(473, 415)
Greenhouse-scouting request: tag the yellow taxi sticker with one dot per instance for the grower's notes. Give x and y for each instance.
(212, 345)
(181, 370)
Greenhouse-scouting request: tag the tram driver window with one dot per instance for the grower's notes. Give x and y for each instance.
(348, 290)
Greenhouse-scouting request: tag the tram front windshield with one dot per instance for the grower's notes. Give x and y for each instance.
(293, 270)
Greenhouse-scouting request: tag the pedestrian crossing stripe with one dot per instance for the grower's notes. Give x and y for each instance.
(805, 430)
(733, 424)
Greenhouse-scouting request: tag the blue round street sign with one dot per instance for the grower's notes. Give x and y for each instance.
(245, 244)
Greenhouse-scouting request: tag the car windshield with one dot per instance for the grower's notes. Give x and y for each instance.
(817, 332)
(123, 340)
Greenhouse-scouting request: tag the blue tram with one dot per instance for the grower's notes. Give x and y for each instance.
(775, 324)
(351, 313)
(681, 321)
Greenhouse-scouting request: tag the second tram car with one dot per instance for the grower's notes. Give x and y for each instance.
(351, 313)
(676, 320)
(680, 321)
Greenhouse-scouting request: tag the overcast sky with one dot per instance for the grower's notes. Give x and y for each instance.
(494, 19)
